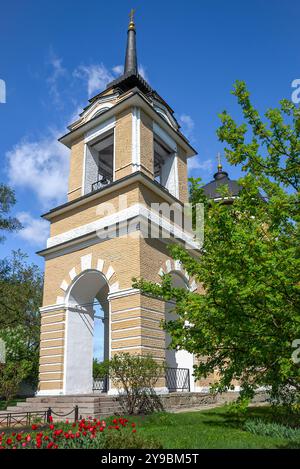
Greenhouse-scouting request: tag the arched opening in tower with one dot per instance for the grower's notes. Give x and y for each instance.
(177, 359)
(87, 330)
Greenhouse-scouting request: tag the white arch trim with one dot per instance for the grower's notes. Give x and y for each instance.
(86, 263)
(170, 266)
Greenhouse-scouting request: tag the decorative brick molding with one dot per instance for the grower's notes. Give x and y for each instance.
(86, 263)
(175, 266)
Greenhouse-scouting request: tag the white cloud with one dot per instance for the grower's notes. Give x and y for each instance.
(196, 163)
(97, 76)
(57, 72)
(118, 69)
(35, 230)
(142, 72)
(41, 166)
(188, 126)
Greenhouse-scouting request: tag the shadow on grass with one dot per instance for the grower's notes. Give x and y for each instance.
(267, 414)
(236, 421)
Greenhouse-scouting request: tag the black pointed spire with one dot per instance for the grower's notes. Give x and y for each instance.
(131, 56)
(130, 78)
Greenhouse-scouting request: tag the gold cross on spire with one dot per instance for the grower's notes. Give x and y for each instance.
(131, 16)
(219, 161)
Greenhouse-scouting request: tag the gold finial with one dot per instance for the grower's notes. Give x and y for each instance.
(219, 161)
(131, 22)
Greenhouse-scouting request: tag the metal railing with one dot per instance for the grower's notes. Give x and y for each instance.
(100, 184)
(100, 384)
(177, 379)
(24, 419)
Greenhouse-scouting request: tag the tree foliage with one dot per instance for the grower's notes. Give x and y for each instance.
(11, 376)
(7, 201)
(245, 323)
(20, 298)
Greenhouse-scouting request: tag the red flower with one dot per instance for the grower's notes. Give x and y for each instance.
(133, 425)
(134, 431)
(9, 441)
(49, 446)
(51, 427)
(50, 418)
(34, 427)
(19, 437)
(28, 438)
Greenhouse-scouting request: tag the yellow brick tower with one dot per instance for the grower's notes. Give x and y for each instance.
(127, 153)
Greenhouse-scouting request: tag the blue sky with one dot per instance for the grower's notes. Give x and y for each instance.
(54, 55)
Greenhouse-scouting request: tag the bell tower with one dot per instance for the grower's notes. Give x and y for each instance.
(128, 158)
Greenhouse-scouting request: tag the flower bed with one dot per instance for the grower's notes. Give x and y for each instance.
(86, 433)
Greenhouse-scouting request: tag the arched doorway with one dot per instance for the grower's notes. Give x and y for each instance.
(87, 290)
(178, 359)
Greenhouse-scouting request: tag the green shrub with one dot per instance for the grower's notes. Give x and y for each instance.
(274, 430)
(11, 375)
(135, 376)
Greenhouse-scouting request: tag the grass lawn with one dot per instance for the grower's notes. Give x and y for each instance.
(214, 428)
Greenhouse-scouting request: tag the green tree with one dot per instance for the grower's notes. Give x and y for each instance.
(7, 201)
(20, 298)
(11, 375)
(247, 320)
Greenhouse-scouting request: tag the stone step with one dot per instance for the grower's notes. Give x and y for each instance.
(62, 405)
(54, 399)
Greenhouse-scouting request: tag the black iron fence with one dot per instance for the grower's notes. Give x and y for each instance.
(24, 419)
(100, 384)
(177, 379)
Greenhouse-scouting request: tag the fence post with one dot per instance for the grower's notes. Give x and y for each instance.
(76, 412)
(189, 382)
(49, 413)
